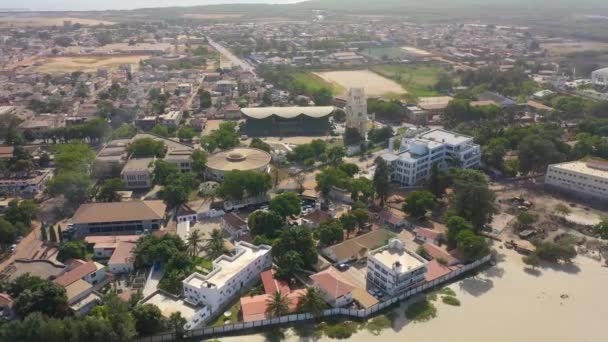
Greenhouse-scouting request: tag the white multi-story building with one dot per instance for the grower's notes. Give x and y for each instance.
(356, 110)
(600, 77)
(412, 160)
(588, 179)
(394, 269)
(230, 275)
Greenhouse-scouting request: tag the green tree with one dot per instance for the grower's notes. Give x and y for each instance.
(362, 216)
(556, 251)
(176, 324)
(177, 191)
(330, 233)
(75, 157)
(193, 242)
(52, 234)
(108, 192)
(331, 177)
(146, 148)
(224, 137)
(455, 225)
(362, 189)
(164, 172)
(21, 212)
(349, 168)
(7, 233)
(74, 186)
(148, 319)
(349, 222)
(335, 155)
(473, 200)
(438, 181)
(239, 184)
(199, 163)
(286, 204)
(298, 240)
(44, 236)
(259, 144)
(277, 305)
(267, 223)
(418, 203)
(381, 180)
(471, 246)
(116, 312)
(535, 153)
(531, 260)
(215, 245)
(161, 130)
(75, 249)
(124, 131)
(205, 99)
(186, 133)
(42, 296)
(152, 248)
(312, 302)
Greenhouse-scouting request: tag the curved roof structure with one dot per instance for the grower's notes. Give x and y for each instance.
(242, 159)
(287, 112)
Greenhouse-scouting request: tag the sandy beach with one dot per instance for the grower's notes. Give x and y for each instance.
(506, 303)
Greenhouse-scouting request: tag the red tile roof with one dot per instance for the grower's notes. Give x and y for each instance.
(435, 270)
(318, 216)
(332, 282)
(437, 252)
(76, 273)
(272, 285)
(254, 308)
(123, 254)
(428, 233)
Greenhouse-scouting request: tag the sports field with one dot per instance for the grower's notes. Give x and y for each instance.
(417, 79)
(312, 83)
(374, 84)
(58, 65)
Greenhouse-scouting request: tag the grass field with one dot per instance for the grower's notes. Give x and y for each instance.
(418, 80)
(33, 21)
(312, 83)
(58, 65)
(565, 48)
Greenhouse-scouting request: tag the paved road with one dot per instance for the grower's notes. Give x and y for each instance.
(27, 247)
(234, 59)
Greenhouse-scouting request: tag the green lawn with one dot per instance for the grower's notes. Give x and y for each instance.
(312, 83)
(417, 79)
(234, 315)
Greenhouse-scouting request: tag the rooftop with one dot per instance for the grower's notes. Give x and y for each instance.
(332, 282)
(42, 268)
(287, 112)
(441, 135)
(225, 267)
(77, 273)
(594, 168)
(242, 159)
(138, 164)
(394, 255)
(119, 211)
(357, 247)
(123, 254)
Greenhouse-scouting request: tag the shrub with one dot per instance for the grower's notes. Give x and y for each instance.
(449, 300)
(421, 311)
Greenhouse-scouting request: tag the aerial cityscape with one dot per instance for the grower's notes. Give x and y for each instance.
(304, 170)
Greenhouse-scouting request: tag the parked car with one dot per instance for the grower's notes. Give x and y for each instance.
(343, 267)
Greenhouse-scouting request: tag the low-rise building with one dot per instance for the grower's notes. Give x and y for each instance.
(335, 289)
(230, 275)
(235, 226)
(105, 245)
(180, 158)
(412, 162)
(582, 178)
(123, 258)
(27, 185)
(118, 218)
(137, 173)
(89, 271)
(600, 77)
(394, 269)
(171, 119)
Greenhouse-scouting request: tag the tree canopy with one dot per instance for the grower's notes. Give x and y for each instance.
(147, 148)
(286, 204)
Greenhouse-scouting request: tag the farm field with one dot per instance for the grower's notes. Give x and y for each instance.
(18, 21)
(312, 83)
(56, 65)
(418, 80)
(565, 48)
(373, 83)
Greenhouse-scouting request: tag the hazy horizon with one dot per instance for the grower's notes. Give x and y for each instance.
(95, 5)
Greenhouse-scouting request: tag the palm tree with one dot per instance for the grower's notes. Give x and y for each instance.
(215, 244)
(194, 239)
(311, 302)
(277, 305)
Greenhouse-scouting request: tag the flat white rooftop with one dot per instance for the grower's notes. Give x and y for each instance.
(440, 135)
(591, 168)
(225, 267)
(390, 256)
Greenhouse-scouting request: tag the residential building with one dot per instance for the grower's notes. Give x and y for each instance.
(356, 110)
(583, 178)
(81, 297)
(335, 289)
(137, 173)
(172, 119)
(232, 112)
(6, 152)
(105, 245)
(600, 77)
(315, 218)
(231, 274)
(235, 226)
(428, 235)
(181, 158)
(120, 218)
(394, 269)
(112, 156)
(123, 258)
(412, 162)
(28, 185)
(89, 271)
(356, 249)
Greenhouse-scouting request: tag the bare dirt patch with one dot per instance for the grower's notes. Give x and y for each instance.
(56, 65)
(374, 84)
(564, 48)
(12, 21)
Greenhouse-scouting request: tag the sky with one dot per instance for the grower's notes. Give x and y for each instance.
(88, 5)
